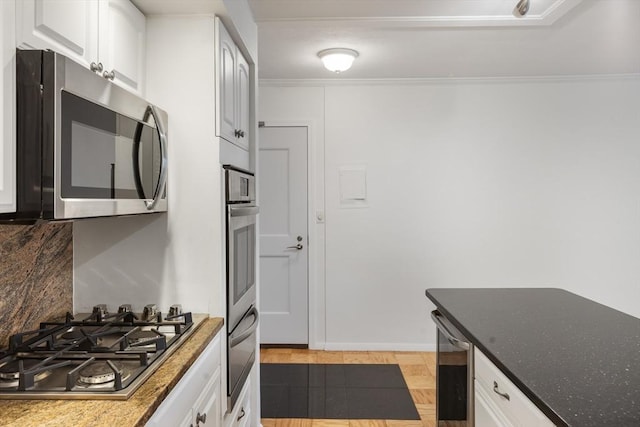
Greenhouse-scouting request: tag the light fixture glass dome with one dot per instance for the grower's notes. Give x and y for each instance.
(337, 59)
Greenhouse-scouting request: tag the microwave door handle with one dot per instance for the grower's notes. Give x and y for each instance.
(162, 180)
(136, 161)
(234, 341)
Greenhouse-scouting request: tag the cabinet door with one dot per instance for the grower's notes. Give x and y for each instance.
(207, 410)
(122, 43)
(243, 100)
(226, 68)
(69, 27)
(7, 107)
(179, 407)
(187, 421)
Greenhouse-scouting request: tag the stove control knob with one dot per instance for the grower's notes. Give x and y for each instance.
(175, 310)
(124, 308)
(100, 312)
(149, 313)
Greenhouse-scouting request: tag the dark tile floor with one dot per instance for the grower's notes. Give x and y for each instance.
(335, 391)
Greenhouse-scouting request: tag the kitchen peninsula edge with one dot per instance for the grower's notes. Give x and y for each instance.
(577, 360)
(134, 411)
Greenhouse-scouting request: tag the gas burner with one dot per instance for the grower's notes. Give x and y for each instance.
(100, 373)
(10, 372)
(92, 355)
(140, 336)
(77, 333)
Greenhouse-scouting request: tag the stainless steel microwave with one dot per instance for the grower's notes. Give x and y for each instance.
(85, 147)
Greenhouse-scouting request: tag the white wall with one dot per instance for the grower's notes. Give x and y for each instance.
(174, 257)
(503, 183)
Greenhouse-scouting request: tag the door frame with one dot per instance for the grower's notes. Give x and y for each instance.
(315, 228)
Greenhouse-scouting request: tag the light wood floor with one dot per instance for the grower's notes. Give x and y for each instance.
(417, 368)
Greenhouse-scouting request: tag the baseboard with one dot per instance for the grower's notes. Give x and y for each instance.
(342, 346)
(297, 346)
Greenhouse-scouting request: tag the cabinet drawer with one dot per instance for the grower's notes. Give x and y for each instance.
(241, 415)
(207, 407)
(517, 409)
(486, 412)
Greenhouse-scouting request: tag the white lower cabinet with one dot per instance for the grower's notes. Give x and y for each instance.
(241, 414)
(498, 402)
(195, 400)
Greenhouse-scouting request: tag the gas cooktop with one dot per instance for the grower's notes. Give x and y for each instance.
(95, 355)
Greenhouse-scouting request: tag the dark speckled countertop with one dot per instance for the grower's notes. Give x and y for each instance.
(577, 360)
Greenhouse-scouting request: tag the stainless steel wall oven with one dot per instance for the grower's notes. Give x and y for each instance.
(242, 313)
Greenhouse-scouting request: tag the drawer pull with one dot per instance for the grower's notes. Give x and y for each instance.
(201, 418)
(242, 414)
(497, 391)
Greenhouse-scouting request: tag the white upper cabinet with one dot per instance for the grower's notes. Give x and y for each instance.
(69, 27)
(232, 89)
(7, 107)
(243, 99)
(226, 57)
(107, 36)
(122, 43)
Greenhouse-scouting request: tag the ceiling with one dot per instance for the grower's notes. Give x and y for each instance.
(416, 39)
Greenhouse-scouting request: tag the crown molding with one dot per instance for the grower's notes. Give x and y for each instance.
(546, 18)
(444, 80)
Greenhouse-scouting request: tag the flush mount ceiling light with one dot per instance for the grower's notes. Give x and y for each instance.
(521, 8)
(337, 59)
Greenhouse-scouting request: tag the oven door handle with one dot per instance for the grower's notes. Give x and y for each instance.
(243, 211)
(234, 341)
(162, 134)
(437, 318)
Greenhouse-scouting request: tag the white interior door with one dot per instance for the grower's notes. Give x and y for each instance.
(282, 183)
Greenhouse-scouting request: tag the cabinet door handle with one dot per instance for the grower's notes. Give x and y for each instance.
(96, 68)
(497, 391)
(201, 418)
(109, 75)
(242, 414)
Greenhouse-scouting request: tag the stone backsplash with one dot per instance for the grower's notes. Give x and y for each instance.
(36, 275)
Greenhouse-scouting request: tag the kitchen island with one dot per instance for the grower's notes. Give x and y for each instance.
(576, 360)
(134, 411)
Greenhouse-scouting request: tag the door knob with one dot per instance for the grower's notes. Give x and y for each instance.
(298, 246)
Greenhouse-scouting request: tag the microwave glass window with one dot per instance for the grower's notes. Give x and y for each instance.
(106, 155)
(243, 268)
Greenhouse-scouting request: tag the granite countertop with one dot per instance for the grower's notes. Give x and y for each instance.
(577, 360)
(132, 412)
